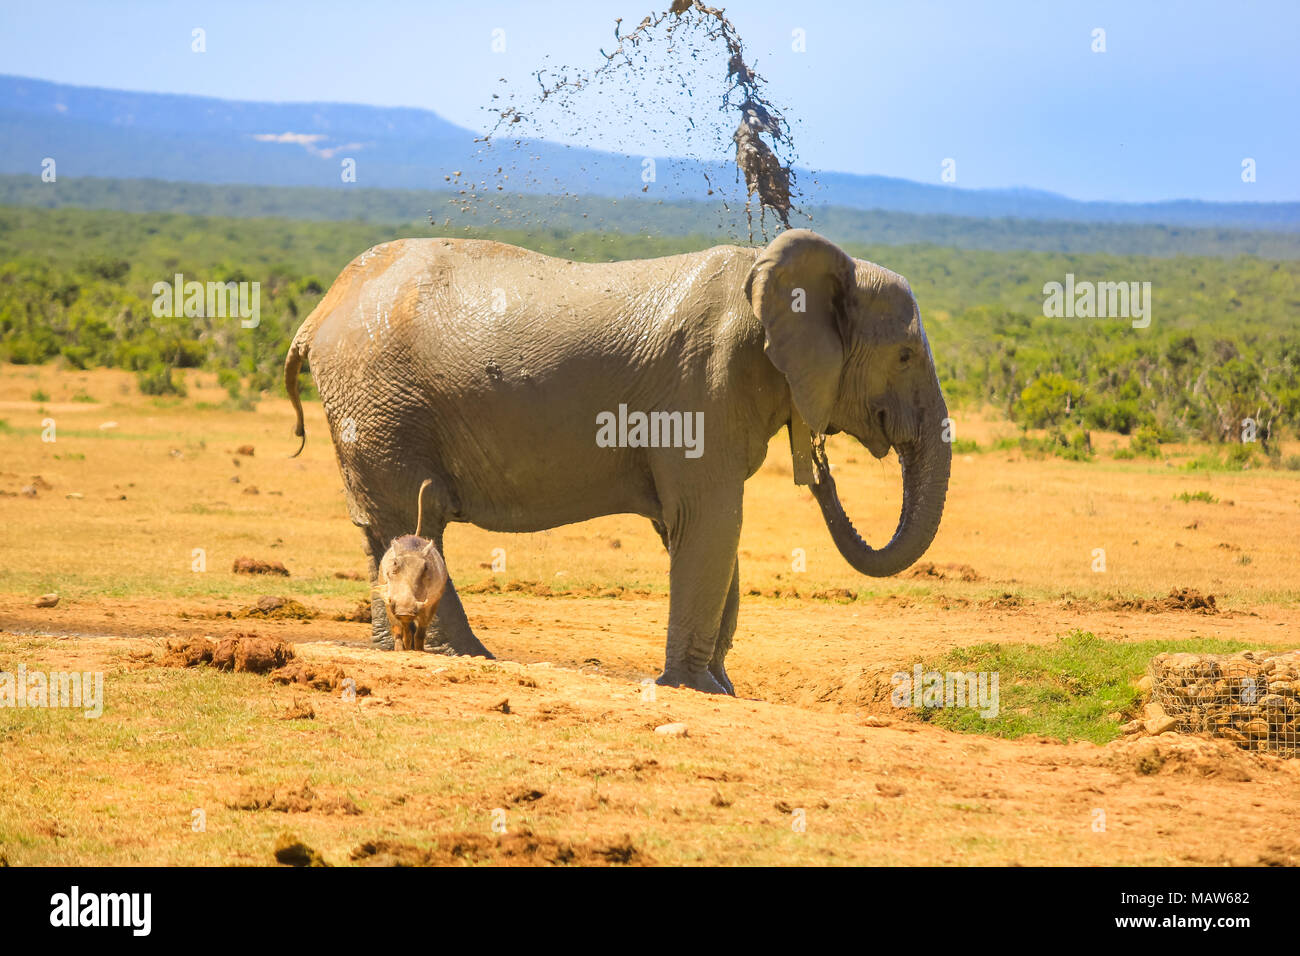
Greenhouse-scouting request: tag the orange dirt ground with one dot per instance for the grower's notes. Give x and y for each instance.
(577, 619)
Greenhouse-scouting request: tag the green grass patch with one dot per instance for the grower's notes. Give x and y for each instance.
(1066, 690)
(1188, 496)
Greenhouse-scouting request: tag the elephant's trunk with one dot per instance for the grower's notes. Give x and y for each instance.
(926, 463)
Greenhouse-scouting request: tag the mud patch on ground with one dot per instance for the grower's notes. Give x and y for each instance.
(360, 614)
(290, 851)
(1178, 599)
(267, 608)
(324, 677)
(521, 848)
(249, 653)
(278, 609)
(243, 653)
(256, 566)
(538, 589)
(944, 572)
(1178, 754)
(293, 800)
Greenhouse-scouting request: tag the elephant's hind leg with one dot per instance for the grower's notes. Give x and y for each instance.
(380, 636)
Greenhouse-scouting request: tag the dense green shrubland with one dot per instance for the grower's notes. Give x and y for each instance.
(1223, 345)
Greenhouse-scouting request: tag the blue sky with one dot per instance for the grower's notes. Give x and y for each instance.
(1012, 90)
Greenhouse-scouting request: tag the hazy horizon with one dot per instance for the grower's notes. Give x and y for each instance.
(1013, 93)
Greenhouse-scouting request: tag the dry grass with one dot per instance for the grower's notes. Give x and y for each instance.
(435, 760)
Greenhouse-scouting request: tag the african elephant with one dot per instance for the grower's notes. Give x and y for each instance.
(494, 371)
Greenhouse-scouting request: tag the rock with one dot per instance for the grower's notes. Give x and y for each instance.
(1144, 685)
(46, 600)
(74, 496)
(245, 450)
(1256, 729)
(671, 730)
(871, 720)
(1153, 711)
(1156, 726)
(107, 425)
(1132, 727)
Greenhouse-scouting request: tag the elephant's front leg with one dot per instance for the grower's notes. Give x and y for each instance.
(703, 537)
(726, 630)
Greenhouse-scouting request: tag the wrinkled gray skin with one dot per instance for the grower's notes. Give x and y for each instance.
(485, 366)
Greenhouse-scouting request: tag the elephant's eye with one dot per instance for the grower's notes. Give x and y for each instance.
(904, 355)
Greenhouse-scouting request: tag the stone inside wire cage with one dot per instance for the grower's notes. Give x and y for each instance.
(1251, 698)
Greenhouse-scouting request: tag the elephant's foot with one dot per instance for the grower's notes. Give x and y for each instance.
(720, 675)
(381, 640)
(464, 645)
(702, 680)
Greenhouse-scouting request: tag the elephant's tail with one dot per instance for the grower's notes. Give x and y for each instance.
(292, 365)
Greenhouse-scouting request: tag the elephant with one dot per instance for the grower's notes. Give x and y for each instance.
(494, 371)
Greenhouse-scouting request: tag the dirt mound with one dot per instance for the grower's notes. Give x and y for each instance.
(538, 589)
(254, 566)
(944, 572)
(360, 614)
(278, 609)
(248, 653)
(187, 652)
(243, 652)
(521, 848)
(326, 677)
(291, 851)
(289, 800)
(1179, 754)
(1178, 599)
(1006, 601)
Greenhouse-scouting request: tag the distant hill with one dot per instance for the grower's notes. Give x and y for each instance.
(707, 220)
(113, 134)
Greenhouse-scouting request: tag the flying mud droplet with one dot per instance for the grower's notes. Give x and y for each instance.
(650, 84)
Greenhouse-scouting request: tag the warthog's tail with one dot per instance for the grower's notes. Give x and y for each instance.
(419, 513)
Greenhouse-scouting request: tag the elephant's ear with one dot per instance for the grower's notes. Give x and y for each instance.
(799, 288)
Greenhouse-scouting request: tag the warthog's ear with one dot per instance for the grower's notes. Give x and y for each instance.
(799, 288)
(429, 550)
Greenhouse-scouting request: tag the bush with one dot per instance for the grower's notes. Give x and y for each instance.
(1145, 442)
(1072, 446)
(157, 380)
(1121, 416)
(1047, 400)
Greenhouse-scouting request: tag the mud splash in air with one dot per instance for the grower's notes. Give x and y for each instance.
(651, 83)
